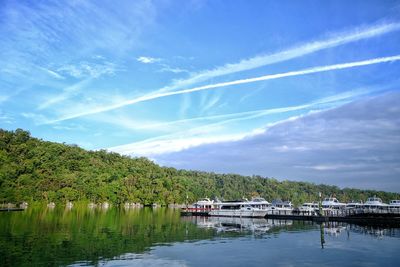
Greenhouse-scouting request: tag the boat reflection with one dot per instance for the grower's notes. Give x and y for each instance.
(237, 224)
(262, 225)
(374, 231)
(335, 229)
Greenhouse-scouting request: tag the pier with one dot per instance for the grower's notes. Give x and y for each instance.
(11, 209)
(356, 216)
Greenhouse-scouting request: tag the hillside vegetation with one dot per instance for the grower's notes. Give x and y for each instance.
(35, 170)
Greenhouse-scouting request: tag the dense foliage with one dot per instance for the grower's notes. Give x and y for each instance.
(36, 170)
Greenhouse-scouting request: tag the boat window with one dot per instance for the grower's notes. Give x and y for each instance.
(230, 207)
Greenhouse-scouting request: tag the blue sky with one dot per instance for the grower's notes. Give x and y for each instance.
(211, 85)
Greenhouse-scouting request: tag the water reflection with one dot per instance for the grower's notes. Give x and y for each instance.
(375, 231)
(257, 226)
(53, 237)
(335, 229)
(237, 224)
(84, 236)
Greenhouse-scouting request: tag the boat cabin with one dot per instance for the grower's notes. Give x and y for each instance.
(332, 203)
(259, 203)
(394, 204)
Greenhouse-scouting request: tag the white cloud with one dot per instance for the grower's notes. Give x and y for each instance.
(69, 127)
(86, 69)
(34, 33)
(353, 145)
(235, 82)
(186, 103)
(66, 93)
(100, 57)
(129, 123)
(52, 73)
(334, 40)
(155, 147)
(334, 167)
(148, 60)
(6, 118)
(167, 68)
(209, 133)
(36, 118)
(211, 102)
(86, 72)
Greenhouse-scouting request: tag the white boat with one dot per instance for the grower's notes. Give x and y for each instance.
(237, 209)
(259, 202)
(282, 205)
(394, 204)
(332, 203)
(309, 207)
(204, 204)
(354, 205)
(374, 203)
(201, 207)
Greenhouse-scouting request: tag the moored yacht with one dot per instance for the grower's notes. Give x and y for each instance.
(282, 205)
(259, 202)
(202, 207)
(309, 207)
(394, 204)
(204, 204)
(354, 205)
(374, 203)
(237, 209)
(332, 203)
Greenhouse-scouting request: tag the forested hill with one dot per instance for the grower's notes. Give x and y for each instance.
(36, 170)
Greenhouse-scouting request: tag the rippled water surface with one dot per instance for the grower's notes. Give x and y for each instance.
(161, 237)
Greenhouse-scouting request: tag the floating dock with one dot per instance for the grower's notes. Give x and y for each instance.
(365, 220)
(364, 217)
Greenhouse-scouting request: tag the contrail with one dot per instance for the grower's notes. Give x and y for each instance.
(299, 50)
(236, 82)
(336, 39)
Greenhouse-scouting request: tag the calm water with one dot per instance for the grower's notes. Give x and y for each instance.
(160, 237)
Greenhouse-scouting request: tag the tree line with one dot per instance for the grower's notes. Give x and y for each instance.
(35, 170)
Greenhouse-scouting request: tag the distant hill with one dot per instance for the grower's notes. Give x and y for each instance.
(35, 170)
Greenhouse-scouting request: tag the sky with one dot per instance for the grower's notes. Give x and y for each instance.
(297, 90)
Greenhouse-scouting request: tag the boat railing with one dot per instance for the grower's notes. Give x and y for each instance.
(197, 209)
(365, 211)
